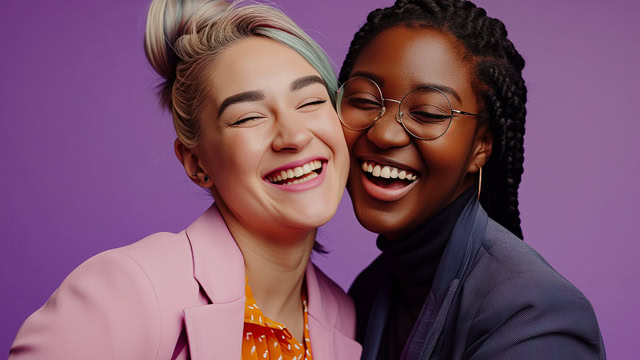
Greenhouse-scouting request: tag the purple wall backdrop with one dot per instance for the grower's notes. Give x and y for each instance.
(87, 160)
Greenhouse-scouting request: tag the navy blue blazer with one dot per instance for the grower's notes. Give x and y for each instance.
(493, 297)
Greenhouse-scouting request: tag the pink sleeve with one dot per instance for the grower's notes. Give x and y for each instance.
(105, 309)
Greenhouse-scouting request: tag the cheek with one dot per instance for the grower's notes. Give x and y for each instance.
(447, 156)
(328, 129)
(233, 156)
(351, 136)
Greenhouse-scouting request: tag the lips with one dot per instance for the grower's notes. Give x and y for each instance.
(386, 182)
(296, 174)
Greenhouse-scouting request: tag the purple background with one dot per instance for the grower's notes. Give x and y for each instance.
(87, 160)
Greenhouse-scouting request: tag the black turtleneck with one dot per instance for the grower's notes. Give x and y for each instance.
(413, 262)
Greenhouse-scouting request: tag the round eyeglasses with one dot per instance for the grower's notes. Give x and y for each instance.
(425, 112)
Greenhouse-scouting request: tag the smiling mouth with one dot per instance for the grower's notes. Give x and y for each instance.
(387, 176)
(296, 175)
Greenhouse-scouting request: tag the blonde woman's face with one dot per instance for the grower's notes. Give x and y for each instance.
(272, 143)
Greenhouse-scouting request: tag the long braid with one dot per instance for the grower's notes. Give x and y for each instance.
(498, 70)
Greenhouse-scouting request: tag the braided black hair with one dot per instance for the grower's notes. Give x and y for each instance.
(498, 84)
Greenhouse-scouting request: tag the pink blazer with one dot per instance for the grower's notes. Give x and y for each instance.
(171, 296)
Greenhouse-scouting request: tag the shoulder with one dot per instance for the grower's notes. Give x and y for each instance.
(514, 264)
(112, 298)
(337, 305)
(513, 293)
(165, 258)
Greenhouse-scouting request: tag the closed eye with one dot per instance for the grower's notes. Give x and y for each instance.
(246, 121)
(311, 103)
(364, 103)
(428, 118)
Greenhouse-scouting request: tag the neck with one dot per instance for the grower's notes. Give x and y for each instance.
(275, 264)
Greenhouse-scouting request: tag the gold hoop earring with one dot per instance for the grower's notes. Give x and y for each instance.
(479, 181)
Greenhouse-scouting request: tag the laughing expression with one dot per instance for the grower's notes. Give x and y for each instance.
(396, 181)
(271, 140)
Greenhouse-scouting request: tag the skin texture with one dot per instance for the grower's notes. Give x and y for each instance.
(400, 59)
(243, 143)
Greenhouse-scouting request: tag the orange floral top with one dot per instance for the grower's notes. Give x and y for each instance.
(266, 339)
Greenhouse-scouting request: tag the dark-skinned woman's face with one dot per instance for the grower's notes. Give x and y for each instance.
(399, 60)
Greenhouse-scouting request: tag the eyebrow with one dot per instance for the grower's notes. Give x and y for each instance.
(445, 89)
(378, 80)
(305, 81)
(257, 95)
(254, 95)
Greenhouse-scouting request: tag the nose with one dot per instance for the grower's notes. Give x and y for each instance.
(387, 132)
(292, 134)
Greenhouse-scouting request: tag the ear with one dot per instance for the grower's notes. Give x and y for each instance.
(482, 148)
(190, 161)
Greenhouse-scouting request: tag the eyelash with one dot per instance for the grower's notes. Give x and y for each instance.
(242, 121)
(251, 118)
(311, 103)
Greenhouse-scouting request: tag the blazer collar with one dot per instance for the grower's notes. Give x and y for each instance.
(215, 330)
(326, 341)
(466, 239)
(218, 264)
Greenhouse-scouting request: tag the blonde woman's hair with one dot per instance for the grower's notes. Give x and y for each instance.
(184, 37)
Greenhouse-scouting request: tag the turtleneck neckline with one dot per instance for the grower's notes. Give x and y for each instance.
(414, 259)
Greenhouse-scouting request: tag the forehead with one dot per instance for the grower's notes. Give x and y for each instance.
(256, 63)
(403, 57)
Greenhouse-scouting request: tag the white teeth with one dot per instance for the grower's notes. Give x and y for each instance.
(386, 171)
(298, 171)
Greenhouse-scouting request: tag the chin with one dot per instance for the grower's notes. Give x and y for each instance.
(309, 216)
(380, 222)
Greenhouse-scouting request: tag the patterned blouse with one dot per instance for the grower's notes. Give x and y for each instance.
(266, 339)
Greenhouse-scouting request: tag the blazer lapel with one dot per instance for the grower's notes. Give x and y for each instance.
(214, 331)
(327, 343)
(426, 332)
(466, 239)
